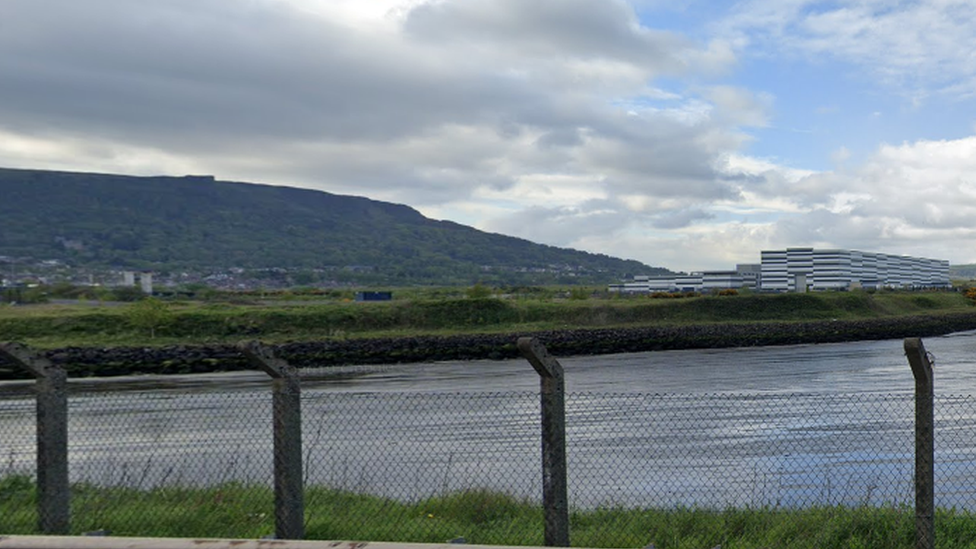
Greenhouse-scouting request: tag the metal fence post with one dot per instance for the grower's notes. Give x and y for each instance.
(554, 488)
(287, 410)
(53, 493)
(924, 443)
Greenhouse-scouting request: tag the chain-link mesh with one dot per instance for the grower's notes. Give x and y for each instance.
(138, 461)
(438, 453)
(431, 467)
(18, 507)
(740, 450)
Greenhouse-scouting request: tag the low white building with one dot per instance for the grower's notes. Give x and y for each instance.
(704, 281)
(721, 280)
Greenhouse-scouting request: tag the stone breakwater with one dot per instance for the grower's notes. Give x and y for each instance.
(85, 361)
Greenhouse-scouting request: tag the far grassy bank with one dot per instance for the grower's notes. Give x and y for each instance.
(198, 323)
(176, 338)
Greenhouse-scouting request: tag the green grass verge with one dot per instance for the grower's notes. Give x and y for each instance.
(52, 326)
(479, 516)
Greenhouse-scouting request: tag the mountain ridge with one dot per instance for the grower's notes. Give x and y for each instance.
(194, 222)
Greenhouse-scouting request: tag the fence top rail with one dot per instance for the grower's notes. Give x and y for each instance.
(108, 542)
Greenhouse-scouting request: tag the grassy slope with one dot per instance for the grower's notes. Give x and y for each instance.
(480, 517)
(53, 326)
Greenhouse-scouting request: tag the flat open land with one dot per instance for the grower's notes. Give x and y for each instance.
(183, 337)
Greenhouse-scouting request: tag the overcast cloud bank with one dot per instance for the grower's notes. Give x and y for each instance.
(576, 123)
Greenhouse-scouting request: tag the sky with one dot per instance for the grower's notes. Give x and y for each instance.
(688, 135)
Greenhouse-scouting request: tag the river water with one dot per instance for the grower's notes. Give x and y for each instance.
(853, 367)
(856, 367)
(793, 425)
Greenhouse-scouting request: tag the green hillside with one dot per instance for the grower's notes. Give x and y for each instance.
(195, 222)
(962, 272)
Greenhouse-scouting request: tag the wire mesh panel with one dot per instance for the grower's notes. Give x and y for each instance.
(17, 433)
(144, 440)
(147, 463)
(143, 463)
(18, 508)
(406, 464)
(720, 451)
(955, 452)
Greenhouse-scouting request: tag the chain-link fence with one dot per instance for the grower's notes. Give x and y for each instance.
(129, 453)
(431, 467)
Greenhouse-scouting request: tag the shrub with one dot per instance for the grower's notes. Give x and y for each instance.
(579, 294)
(479, 291)
(148, 314)
(971, 293)
(128, 293)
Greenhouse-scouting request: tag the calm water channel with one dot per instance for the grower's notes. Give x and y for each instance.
(793, 425)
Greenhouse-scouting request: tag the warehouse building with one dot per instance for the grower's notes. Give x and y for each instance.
(801, 269)
(804, 269)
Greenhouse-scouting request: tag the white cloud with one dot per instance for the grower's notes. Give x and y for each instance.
(18, 150)
(915, 198)
(356, 13)
(840, 156)
(547, 189)
(740, 107)
(918, 47)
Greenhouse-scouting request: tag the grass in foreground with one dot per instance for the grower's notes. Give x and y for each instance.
(480, 517)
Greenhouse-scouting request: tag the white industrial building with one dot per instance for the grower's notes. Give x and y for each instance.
(745, 276)
(143, 279)
(803, 269)
(799, 269)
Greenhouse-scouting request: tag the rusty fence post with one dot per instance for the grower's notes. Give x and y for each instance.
(924, 443)
(53, 492)
(287, 410)
(555, 499)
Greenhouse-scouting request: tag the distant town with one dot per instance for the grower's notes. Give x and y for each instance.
(788, 270)
(16, 272)
(805, 269)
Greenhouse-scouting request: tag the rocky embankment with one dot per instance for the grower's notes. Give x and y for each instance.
(81, 362)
